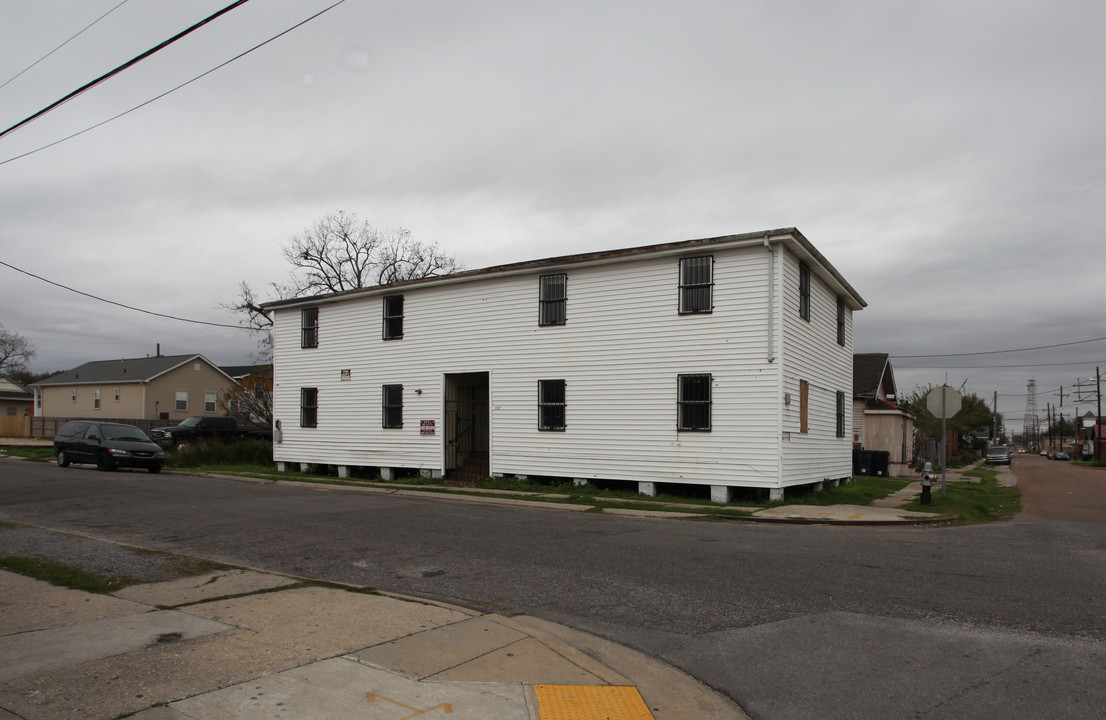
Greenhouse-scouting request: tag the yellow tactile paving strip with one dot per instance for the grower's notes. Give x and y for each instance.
(590, 702)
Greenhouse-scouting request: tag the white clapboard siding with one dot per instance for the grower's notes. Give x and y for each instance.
(620, 353)
(811, 353)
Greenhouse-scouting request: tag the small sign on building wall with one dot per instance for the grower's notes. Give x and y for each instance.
(346, 375)
(426, 427)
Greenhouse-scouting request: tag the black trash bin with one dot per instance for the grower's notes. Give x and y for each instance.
(880, 463)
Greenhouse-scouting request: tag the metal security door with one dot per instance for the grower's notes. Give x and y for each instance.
(466, 428)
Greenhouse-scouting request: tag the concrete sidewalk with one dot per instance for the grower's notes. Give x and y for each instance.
(247, 644)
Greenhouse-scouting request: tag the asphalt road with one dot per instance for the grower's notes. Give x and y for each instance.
(1002, 620)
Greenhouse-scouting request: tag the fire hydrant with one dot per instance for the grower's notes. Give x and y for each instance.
(927, 484)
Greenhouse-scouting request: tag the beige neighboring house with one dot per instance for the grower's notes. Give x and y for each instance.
(166, 388)
(879, 424)
(15, 399)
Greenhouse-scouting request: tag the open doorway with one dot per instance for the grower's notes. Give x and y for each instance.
(466, 428)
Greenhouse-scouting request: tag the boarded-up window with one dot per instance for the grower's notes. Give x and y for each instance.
(804, 405)
(840, 414)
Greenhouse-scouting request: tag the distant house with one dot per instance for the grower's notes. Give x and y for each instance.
(879, 423)
(723, 362)
(15, 399)
(252, 401)
(165, 388)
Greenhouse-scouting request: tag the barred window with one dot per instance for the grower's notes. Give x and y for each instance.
(840, 414)
(696, 285)
(552, 299)
(392, 406)
(693, 403)
(841, 321)
(804, 291)
(309, 327)
(393, 317)
(309, 407)
(551, 404)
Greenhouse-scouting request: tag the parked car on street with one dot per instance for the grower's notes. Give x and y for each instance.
(1061, 456)
(108, 445)
(215, 428)
(998, 455)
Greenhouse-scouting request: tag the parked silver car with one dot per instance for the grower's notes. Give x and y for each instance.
(999, 455)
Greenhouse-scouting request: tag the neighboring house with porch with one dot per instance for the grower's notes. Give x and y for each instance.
(164, 388)
(879, 423)
(16, 400)
(724, 362)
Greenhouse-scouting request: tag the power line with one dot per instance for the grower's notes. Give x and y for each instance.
(59, 47)
(133, 61)
(173, 90)
(1000, 352)
(994, 367)
(119, 304)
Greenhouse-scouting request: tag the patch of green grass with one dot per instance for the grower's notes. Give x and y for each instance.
(860, 491)
(42, 454)
(984, 501)
(223, 455)
(69, 576)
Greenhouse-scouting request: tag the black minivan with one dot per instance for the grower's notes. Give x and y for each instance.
(109, 445)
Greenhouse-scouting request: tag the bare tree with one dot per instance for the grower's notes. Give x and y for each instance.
(15, 351)
(341, 252)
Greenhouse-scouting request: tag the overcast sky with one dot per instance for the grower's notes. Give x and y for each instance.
(946, 156)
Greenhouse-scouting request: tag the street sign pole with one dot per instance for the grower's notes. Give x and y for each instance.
(944, 439)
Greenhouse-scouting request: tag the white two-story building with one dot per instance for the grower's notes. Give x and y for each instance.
(724, 362)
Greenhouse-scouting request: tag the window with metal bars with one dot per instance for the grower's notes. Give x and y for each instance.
(393, 317)
(696, 285)
(309, 407)
(840, 414)
(553, 299)
(551, 404)
(841, 321)
(392, 406)
(309, 327)
(693, 405)
(804, 291)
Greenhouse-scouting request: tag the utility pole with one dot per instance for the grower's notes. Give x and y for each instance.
(1098, 418)
(994, 419)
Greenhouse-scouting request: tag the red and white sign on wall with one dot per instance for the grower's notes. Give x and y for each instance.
(426, 427)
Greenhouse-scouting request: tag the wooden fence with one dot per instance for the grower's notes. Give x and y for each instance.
(16, 426)
(47, 427)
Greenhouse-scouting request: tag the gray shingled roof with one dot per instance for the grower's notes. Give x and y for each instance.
(868, 369)
(121, 371)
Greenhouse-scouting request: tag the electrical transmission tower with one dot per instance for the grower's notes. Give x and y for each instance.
(1031, 430)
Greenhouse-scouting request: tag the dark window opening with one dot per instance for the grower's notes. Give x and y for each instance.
(309, 327)
(393, 317)
(551, 404)
(696, 285)
(841, 321)
(392, 406)
(309, 407)
(552, 299)
(840, 414)
(694, 403)
(804, 291)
